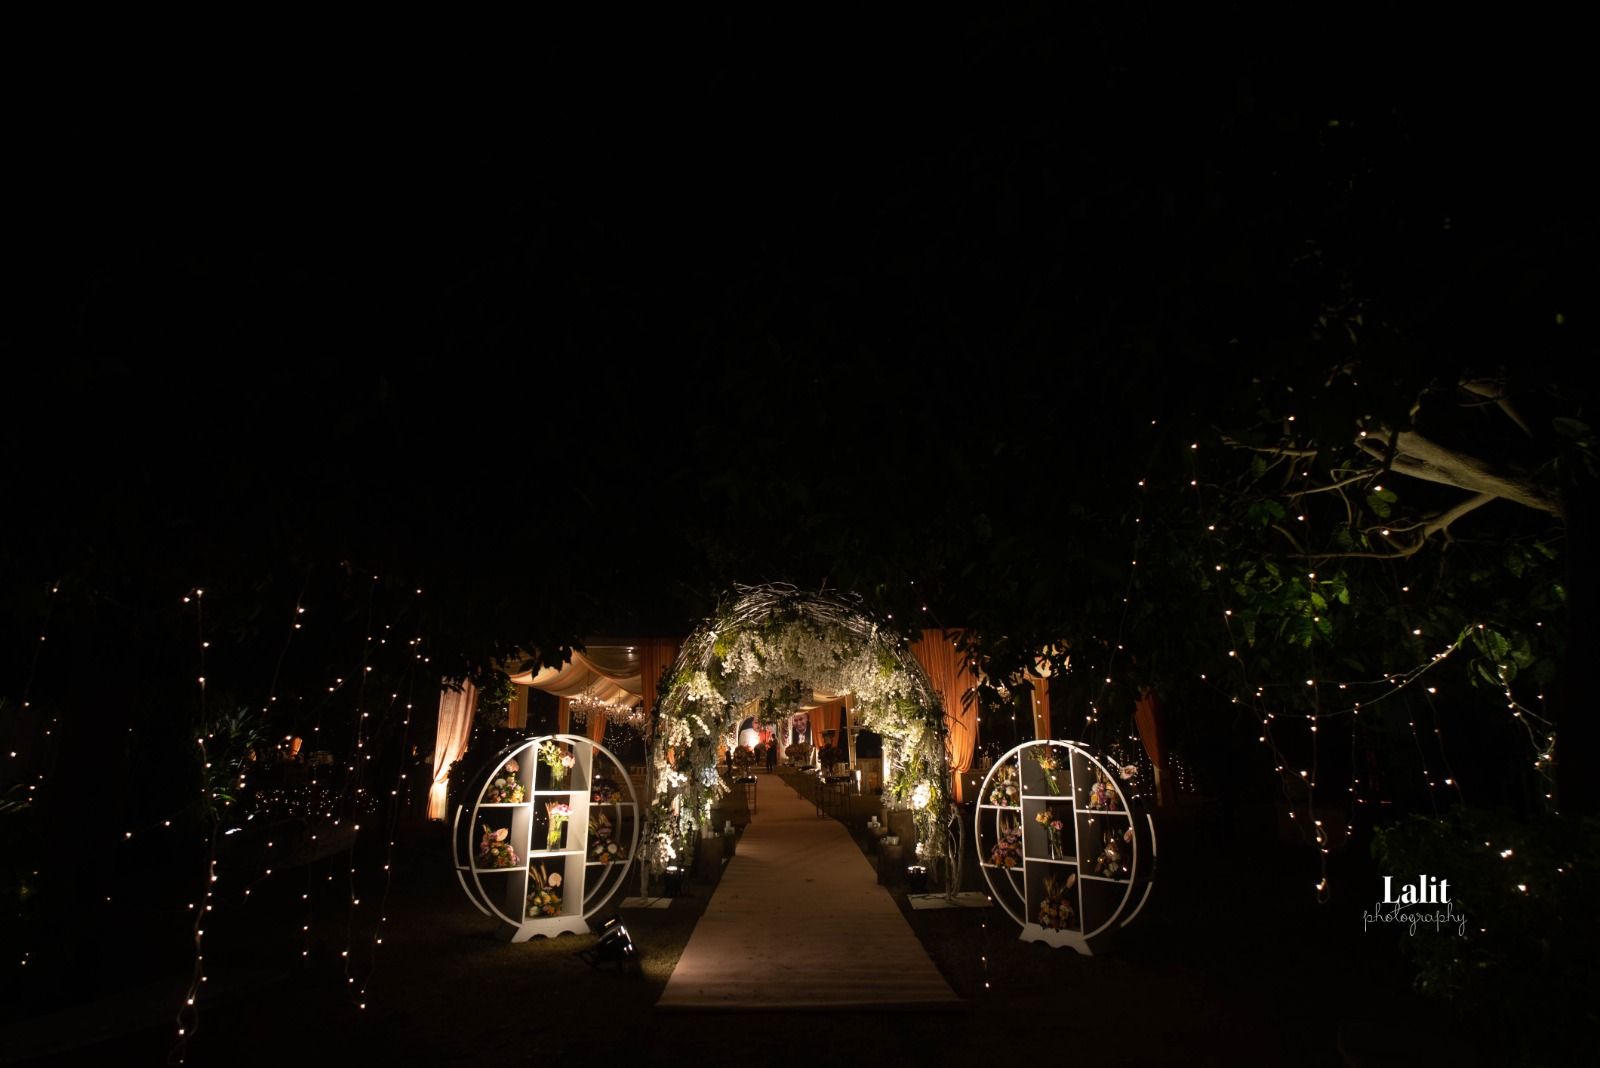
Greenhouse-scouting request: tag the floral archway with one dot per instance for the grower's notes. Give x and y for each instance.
(769, 643)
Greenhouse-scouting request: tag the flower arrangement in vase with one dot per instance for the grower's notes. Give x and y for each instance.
(505, 789)
(605, 792)
(1007, 852)
(494, 851)
(559, 813)
(603, 850)
(1110, 863)
(1004, 792)
(544, 899)
(1055, 910)
(1054, 825)
(557, 759)
(1050, 763)
(1103, 794)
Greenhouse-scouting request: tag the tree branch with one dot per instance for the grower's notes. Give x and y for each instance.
(1363, 477)
(1429, 527)
(1489, 389)
(1275, 450)
(1424, 459)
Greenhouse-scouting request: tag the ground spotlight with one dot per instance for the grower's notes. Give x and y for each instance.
(615, 948)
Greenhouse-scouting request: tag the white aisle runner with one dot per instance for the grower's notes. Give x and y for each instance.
(799, 921)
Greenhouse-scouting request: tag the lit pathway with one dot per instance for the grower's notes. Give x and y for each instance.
(799, 921)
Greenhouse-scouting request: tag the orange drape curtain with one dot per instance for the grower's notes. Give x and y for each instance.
(1147, 718)
(563, 715)
(597, 727)
(455, 724)
(827, 717)
(655, 654)
(952, 678)
(1041, 705)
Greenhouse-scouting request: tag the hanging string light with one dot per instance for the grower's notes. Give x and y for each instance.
(189, 1013)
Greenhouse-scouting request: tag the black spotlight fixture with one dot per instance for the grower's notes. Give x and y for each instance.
(917, 878)
(614, 948)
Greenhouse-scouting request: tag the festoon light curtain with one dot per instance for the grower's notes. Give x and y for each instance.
(952, 678)
(455, 724)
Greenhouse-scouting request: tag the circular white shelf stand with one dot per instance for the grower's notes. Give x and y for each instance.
(586, 884)
(1100, 901)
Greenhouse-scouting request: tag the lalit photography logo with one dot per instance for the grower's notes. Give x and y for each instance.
(1425, 903)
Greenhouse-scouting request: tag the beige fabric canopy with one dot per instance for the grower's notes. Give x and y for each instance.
(610, 673)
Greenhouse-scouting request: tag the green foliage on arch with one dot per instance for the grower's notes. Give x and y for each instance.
(775, 637)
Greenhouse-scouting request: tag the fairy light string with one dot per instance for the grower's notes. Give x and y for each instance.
(26, 701)
(1402, 686)
(397, 807)
(188, 1022)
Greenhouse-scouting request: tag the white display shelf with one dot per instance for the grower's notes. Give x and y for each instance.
(1099, 902)
(586, 886)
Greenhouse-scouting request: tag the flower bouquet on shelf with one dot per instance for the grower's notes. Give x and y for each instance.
(559, 812)
(494, 851)
(1049, 762)
(605, 792)
(505, 789)
(1110, 863)
(1103, 795)
(1055, 910)
(1053, 824)
(558, 760)
(1004, 791)
(602, 850)
(545, 897)
(1007, 852)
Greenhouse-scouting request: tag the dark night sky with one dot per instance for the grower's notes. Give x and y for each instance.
(766, 277)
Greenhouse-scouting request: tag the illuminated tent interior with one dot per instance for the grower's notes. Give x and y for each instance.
(608, 675)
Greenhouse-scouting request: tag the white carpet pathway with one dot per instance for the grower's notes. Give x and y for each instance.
(799, 921)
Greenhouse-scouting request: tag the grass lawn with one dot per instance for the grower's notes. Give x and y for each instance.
(1231, 964)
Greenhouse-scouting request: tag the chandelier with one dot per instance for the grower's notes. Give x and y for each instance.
(589, 703)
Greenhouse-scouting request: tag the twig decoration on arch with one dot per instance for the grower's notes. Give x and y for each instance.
(766, 637)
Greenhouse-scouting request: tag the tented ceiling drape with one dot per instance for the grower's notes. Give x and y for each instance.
(952, 680)
(610, 673)
(455, 723)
